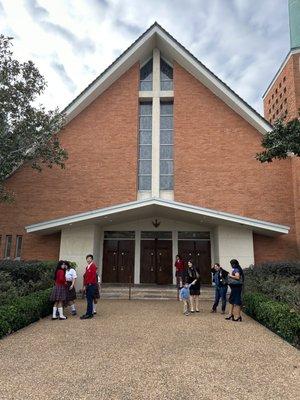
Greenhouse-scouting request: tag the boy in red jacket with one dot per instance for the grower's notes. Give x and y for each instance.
(89, 285)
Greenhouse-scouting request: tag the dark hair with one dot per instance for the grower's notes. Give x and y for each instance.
(235, 264)
(179, 256)
(90, 255)
(68, 264)
(58, 267)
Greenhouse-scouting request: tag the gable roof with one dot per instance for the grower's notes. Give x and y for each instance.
(137, 209)
(156, 36)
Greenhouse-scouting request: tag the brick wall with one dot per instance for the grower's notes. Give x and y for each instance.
(101, 169)
(285, 92)
(215, 165)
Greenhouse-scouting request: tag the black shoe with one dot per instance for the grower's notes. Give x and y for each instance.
(74, 312)
(230, 317)
(238, 319)
(86, 316)
(213, 311)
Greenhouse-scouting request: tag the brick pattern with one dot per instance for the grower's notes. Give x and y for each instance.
(213, 161)
(101, 169)
(215, 166)
(283, 98)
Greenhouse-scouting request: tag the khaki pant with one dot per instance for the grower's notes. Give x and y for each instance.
(186, 306)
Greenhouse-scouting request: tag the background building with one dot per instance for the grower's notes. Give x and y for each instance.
(161, 161)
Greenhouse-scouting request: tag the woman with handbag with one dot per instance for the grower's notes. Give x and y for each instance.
(235, 281)
(192, 277)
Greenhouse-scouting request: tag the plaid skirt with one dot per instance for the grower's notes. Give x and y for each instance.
(59, 293)
(71, 294)
(97, 292)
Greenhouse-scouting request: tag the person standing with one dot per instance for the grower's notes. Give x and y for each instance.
(71, 277)
(192, 277)
(220, 278)
(59, 291)
(236, 281)
(179, 265)
(184, 296)
(89, 282)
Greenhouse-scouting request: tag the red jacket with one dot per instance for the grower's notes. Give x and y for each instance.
(60, 279)
(179, 264)
(90, 274)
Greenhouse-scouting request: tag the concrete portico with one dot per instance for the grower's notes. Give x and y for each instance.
(230, 236)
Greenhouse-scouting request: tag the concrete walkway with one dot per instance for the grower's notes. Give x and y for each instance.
(145, 349)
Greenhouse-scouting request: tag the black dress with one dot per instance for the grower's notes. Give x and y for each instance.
(190, 275)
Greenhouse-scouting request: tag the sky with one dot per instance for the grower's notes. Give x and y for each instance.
(71, 42)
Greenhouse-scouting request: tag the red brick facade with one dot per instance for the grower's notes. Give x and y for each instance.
(214, 167)
(101, 169)
(283, 97)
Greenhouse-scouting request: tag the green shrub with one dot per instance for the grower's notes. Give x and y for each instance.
(278, 317)
(23, 311)
(278, 280)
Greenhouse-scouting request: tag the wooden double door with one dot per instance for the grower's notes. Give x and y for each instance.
(199, 252)
(118, 261)
(156, 261)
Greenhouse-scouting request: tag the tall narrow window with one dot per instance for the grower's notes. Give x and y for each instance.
(146, 76)
(145, 147)
(7, 249)
(166, 146)
(18, 246)
(166, 76)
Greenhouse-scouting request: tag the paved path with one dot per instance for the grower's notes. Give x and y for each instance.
(147, 350)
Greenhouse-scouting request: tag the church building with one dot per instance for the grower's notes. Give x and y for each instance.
(161, 162)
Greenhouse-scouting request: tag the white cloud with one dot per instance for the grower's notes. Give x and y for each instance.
(71, 42)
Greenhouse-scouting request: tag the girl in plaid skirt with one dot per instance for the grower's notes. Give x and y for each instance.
(59, 291)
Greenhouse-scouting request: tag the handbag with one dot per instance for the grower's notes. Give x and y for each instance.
(234, 282)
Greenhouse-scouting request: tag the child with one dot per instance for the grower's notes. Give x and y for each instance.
(184, 296)
(59, 291)
(71, 277)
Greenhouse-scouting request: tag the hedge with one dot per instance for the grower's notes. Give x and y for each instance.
(277, 316)
(24, 310)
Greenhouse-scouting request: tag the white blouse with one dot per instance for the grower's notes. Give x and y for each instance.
(70, 275)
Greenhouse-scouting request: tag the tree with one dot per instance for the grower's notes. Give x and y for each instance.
(283, 140)
(28, 132)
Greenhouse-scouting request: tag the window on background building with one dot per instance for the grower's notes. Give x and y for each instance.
(285, 100)
(166, 146)
(276, 91)
(284, 90)
(269, 101)
(18, 251)
(145, 147)
(166, 76)
(279, 85)
(276, 101)
(146, 74)
(284, 78)
(272, 96)
(270, 111)
(8, 243)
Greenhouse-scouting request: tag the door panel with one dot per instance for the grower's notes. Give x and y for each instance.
(203, 260)
(148, 262)
(125, 261)
(118, 261)
(156, 261)
(164, 262)
(110, 261)
(199, 252)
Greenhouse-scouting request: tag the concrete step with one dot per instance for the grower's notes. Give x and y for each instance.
(149, 292)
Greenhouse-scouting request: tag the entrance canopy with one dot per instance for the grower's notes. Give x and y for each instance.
(155, 208)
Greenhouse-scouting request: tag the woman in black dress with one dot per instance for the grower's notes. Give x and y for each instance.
(236, 282)
(192, 274)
